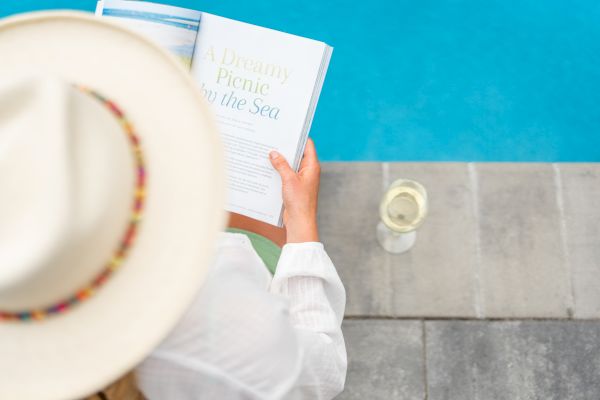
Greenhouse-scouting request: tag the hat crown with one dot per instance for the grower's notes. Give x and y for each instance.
(67, 181)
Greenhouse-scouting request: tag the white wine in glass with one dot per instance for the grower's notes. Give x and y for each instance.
(402, 210)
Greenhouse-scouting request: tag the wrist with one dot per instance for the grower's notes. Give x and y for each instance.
(300, 233)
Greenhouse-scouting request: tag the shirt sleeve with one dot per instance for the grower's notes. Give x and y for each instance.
(308, 278)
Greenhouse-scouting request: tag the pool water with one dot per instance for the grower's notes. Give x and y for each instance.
(440, 80)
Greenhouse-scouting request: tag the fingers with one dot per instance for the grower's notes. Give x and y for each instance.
(281, 166)
(310, 157)
(310, 153)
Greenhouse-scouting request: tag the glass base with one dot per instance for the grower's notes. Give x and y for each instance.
(394, 242)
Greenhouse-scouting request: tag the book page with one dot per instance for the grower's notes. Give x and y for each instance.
(260, 84)
(173, 28)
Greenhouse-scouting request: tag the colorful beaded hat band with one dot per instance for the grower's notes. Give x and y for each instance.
(127, 240)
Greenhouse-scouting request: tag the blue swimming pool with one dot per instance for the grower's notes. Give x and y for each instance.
(440, 80)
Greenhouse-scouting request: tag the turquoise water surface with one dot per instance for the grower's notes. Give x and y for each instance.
(440, 80)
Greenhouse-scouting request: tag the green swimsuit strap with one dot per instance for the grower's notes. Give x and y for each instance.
(268, 251)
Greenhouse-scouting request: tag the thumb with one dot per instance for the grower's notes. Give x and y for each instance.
(281, 165)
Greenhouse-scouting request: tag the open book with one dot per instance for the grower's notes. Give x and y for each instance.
(263, 87)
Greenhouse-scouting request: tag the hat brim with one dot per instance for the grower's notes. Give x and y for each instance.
(76, 353)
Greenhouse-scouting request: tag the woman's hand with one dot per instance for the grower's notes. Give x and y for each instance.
(300, 195)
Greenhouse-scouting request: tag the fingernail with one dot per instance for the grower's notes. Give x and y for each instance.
(273, 154)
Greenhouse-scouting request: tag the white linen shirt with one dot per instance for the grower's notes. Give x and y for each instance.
(252, 336)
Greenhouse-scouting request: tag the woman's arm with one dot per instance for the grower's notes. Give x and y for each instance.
(307, 277)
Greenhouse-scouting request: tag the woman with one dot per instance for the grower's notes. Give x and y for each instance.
(108, 232)
(253, 336)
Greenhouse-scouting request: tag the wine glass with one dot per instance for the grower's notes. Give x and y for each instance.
(402, 210)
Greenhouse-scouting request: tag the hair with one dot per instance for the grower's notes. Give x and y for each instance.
(123, 389)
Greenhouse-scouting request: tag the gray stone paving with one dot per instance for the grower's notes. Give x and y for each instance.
(523, 271)
(478, 360)
(519, 360)
(437, 277)
(581, 192)
(501, 240)
(385, 360)
(349, 199)
(503, 246)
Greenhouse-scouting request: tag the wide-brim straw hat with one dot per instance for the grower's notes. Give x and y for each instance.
(111, 200)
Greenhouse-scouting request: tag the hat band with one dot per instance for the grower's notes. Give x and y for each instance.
(127, 240)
